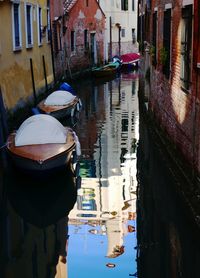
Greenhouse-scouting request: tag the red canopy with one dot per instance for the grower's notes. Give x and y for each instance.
(130, 58)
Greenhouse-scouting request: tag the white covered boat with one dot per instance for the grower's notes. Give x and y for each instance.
(60, 104)
(42, 143)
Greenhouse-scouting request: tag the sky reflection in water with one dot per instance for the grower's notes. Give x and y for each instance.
(106, 203)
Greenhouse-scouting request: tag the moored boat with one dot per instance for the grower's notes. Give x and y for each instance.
(60, 104)
(42, 144)
(130, 60)
(107, 70)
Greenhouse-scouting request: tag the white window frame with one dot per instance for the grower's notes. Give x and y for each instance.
(29, 45)
(39, 27)
(16, 48)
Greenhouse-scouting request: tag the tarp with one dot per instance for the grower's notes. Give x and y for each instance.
(130, 58)
(40, 129)
(66, 87)
(59, 98)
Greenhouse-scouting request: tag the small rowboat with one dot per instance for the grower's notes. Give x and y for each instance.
(107, 70)
(42, 144)
(60, 104)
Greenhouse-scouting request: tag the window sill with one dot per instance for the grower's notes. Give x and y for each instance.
(29, 46)
(17, 49)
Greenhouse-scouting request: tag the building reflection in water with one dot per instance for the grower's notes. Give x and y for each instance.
(34, 224)
(106, 202)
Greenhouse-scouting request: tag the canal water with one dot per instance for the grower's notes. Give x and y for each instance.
(120, 216)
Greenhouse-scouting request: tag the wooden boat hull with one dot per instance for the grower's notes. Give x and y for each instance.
(41, 158)
(104, 73)
(107, 70)
(59, 111)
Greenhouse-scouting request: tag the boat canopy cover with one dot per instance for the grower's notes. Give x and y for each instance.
(130, 58)
(40, 129)
(59, 98)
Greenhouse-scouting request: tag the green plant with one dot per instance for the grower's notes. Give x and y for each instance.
(163, 55)
(152, 51)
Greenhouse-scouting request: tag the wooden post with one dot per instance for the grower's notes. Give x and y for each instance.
(33, 81)
(45, 73)
(3, 130)
(3, 119)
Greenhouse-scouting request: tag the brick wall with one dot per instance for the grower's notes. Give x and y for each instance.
(176, 110)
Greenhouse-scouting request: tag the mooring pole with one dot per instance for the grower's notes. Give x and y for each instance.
(3, 130)
(33, 82)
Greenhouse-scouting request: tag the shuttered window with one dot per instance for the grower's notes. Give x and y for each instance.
(17, 42)
(154, 40)
(167, 42)
(72, 40)
(186, 46)
(124, 5)
(29, 32)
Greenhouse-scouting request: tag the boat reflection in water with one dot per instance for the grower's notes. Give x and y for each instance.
(35, 225)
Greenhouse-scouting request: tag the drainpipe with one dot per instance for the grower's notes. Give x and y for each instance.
(119, 37)
(110, 38)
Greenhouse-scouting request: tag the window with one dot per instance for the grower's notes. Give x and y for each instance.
(123, 32)
(154, 40)
(133, 5)
(39, 25)
(87, 3)
(48, 26)
(124, 5)
(167, 42)
(17, 41)
(72, 40)
(29, 29)
(133, 36)
(186, 43)
(86, 38)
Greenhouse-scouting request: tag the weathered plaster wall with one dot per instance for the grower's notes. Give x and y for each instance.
(81, 18)
(15, 72)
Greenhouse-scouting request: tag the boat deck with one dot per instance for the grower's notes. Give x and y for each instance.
(40, 152)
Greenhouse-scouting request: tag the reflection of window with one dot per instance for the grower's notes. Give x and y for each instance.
(124, 5)
(123, 33)
(124, 125)
(29, 33)
(72, 40)
(17, 43)
(186, 41)
(133, 36)
(167, 41)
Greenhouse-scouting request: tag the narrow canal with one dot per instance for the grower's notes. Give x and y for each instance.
(122, 214)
